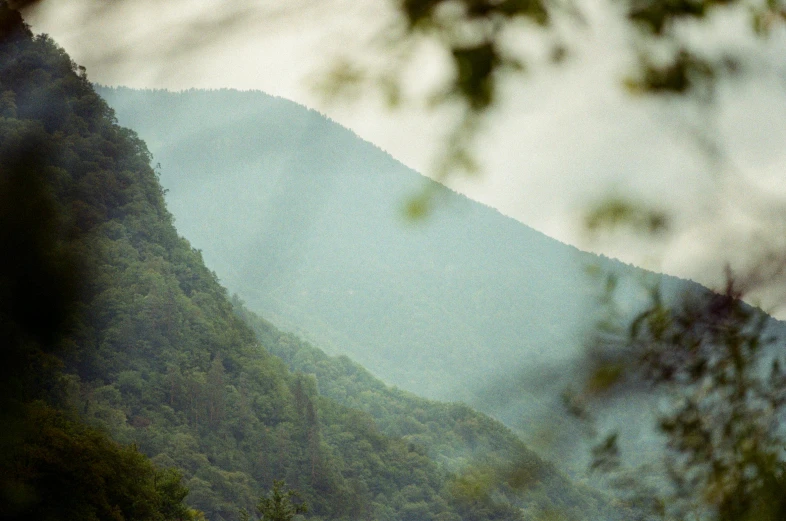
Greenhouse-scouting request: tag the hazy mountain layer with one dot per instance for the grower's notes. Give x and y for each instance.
(304, 221)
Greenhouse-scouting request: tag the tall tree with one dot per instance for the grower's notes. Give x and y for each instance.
(280, 504)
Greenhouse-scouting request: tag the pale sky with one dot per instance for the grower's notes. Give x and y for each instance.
(563, 138)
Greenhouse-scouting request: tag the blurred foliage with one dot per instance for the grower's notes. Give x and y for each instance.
(714, 355)
(684, 73)
(620, 212)
(473, 35)
(720, 363)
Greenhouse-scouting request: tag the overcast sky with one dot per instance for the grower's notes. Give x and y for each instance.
(563, 138)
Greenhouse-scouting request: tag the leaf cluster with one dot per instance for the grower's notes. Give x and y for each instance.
(720, 363)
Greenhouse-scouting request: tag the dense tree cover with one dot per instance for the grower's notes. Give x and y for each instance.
(155, 354)
(66, 470)
(53, 466)
(144, 345)
(470, 444)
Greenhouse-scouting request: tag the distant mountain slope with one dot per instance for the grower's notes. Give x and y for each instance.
(303, 220)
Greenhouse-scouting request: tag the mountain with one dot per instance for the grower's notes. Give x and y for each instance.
(57, 146)
(126, 366)
(463, 440)
(305, 222)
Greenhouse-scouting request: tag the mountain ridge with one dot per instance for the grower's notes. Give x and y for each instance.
(108, 89)
(462, 266)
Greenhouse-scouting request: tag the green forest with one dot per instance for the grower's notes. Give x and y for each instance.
(132, 386)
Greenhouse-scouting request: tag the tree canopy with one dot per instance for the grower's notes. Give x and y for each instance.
(280, 504)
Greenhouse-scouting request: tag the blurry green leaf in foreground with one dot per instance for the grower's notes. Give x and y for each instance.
(720, 362)
(617, 213)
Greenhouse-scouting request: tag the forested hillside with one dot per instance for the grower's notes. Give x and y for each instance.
(461, 439)
(114, 326)
(66, 173)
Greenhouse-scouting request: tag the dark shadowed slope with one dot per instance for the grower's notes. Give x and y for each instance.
(58, 145)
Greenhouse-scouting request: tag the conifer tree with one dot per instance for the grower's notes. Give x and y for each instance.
(278, 504)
